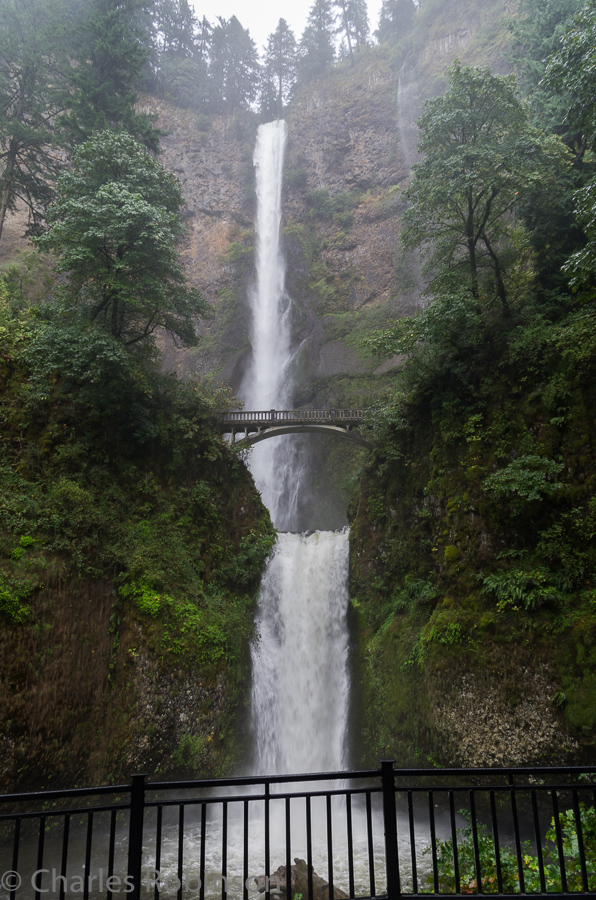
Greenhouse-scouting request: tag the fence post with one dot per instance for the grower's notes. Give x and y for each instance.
(135, 834)
(390, 823)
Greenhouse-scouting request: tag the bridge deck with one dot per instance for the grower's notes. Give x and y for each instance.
(262, 424)
(296, 416)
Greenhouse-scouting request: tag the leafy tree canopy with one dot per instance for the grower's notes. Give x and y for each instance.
(481, 156)
(572, 72)
(115, 227)
(537, 33)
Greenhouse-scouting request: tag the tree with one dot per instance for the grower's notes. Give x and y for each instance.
(113, 50)
(176, 25)
(481, 157)
(317, 51)
(115, 227)
(234, 66)
(279, 71)
(352, 23)
(395, 20)
(31, 95)
(572, 72)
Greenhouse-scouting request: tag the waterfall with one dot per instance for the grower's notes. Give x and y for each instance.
(299, 656)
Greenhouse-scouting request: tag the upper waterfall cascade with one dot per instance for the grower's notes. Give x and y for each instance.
(300, 673)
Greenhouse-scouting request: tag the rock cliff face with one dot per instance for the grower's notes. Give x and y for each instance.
(351, 143)
(344, 165)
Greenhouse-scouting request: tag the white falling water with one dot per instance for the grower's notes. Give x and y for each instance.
(300, 674)
(268, 382)
(300, 694)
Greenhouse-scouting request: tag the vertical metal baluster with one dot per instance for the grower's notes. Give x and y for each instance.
(518, 847)
(267, 851)
(180, 849)
(454, 841)
(580, 840)
(224, 851)
(288, 849)
(64, 861)
(309, 848)
(158, 831)
(475, 842)
(329, 846)
(15, 853)
(495, 827)
(42, 832)
(371, 848)
(350, 844)
(245, 851)
(412, 843)
(135, 834)
(433, 839)
(538, 839)
(560, 848)
(390, 829)
(203, 840)
(88, 855)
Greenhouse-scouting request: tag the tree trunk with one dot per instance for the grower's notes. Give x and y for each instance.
(499, 277)
(6, 184)
(471, 241)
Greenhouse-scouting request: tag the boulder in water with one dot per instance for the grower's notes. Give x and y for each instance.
(278, 884)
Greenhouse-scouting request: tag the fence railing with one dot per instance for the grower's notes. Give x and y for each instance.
(278, 416)
(378, 833)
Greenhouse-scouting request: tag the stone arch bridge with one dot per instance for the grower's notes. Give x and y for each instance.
(258, 426)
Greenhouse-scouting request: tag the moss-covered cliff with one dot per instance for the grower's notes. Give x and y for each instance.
(131, 546)
(473, 557)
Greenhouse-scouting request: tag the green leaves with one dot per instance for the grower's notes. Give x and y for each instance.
(481, 158)
(528, 478)
(115, 226)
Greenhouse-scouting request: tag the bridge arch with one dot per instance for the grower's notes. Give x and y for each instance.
(261, 425)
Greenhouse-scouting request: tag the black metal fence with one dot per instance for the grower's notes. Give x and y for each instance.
(378, 833)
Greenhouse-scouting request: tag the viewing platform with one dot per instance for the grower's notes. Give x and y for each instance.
(258, 426)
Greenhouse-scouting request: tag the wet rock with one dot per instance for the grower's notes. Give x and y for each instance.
(278, 883)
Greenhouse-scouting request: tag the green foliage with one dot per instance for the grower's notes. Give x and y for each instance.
(115, 225)
(187, 755)
(234, 65)
(278, 76)
(527, 478)
(325, 206)
(185, 628)
(32, 82)
(524, 589)
(571, 71)
(471, 878)
(111, 53)
(481, 156)
(316, 50)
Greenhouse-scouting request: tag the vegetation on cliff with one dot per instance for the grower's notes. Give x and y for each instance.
(473, 536)
(128, 530)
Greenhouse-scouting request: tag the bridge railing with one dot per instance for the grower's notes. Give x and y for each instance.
(379, 833)
(273, 416)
